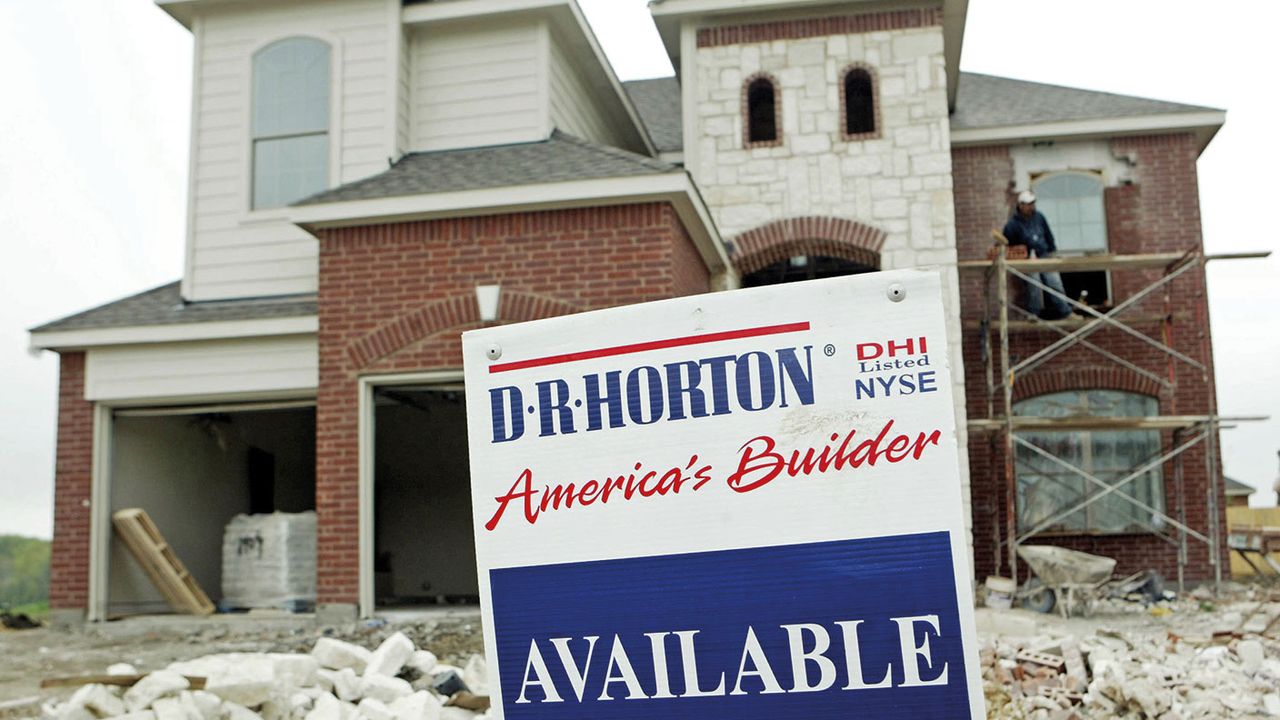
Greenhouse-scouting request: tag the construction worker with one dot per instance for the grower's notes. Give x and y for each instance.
(1030, 228)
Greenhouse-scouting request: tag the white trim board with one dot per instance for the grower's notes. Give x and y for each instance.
(672, 187)
(1204, 124)
(179, 332)
(366, 432)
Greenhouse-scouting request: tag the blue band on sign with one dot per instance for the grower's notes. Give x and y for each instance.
(852, 628)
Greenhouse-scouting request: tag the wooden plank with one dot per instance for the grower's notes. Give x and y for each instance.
(1085, 262)
(1246, 518)
(1089, 422)
(161, 564)
(1107, 262)
(197, 683)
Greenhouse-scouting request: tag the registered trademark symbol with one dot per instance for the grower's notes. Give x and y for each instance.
(829, 350)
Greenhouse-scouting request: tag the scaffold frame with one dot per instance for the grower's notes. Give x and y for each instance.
(1186, 431)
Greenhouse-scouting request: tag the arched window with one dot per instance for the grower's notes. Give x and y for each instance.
(290, 121)
(1073, 204)
(762, 102)
(1047, 490)
(859, 102)
(803, 267)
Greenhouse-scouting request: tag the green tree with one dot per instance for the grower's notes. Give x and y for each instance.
(24, 570)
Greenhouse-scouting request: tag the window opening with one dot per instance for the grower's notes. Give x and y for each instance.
(290, 121)
(859, 102)
(762, 111)
(1045, 489)
(803, 267)
(1073, 204)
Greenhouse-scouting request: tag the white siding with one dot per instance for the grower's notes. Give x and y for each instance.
(270, 256)
(476, 85)
(575, 109)
(208, 369)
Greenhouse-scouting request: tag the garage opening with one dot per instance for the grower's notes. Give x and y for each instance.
(193, 470)
(424, 548)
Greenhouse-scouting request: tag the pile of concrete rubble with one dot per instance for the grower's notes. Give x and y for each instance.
(1109, 674)
(336, 681)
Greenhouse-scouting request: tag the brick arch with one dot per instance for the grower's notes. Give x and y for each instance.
(1044, 382)
(833, 237)
(452, 312)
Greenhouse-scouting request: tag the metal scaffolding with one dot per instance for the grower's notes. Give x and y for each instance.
(1001, 317)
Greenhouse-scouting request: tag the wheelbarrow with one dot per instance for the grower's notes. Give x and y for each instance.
(1068, 579)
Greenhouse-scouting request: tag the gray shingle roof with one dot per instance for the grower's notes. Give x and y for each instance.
(1235, 487)
(559, 158)
(987, 101)
(164, 306)
(658, 102)
(982, 101)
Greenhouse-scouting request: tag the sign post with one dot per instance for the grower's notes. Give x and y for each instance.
(736, 505)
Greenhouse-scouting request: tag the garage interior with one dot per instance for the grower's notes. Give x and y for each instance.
(424, 547)
(192, 470)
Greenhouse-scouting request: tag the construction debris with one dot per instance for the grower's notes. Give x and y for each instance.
(1080, 670)
(336, 681)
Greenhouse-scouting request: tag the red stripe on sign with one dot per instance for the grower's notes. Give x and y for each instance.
(651, 345)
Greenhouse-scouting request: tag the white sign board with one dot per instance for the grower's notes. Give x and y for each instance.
(735, 505)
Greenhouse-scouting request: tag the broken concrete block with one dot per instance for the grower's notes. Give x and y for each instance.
(456, 713)
(1271, 704)
(67, 711)
(153, 687)
(236, 711)
(424, 661)
(140, 715)
(327, 707)
(390, 656)
(246, 679)
(421, 705)
(326, 678)
(372, 709)
(122, 669)
(209, 705)
(98, 700)
(336, 654)
(1251, 654)
(346, 685)
(476, 675)
(173, 708)
(385, 689)
(294, 670)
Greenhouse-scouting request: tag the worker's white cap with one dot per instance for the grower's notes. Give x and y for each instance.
(1026, 197)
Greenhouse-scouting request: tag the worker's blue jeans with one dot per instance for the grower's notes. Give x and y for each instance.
(1035, 296)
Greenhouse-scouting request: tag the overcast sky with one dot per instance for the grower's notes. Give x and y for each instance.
(95, 120)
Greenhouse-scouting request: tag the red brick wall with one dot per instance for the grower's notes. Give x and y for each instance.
(69, 563)
(396, 298)
(1158, 212)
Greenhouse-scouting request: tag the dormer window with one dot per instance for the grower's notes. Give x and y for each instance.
(290, 128)
(762, 101)
(858, 91)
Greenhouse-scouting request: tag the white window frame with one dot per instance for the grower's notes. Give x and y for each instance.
(366, 432)
(254, 216)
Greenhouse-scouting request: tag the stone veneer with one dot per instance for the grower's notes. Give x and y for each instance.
(897, 182)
